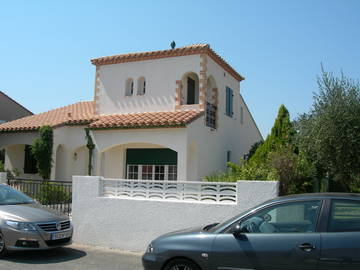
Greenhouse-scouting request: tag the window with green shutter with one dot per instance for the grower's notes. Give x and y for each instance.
(229, 102)
(29, 161)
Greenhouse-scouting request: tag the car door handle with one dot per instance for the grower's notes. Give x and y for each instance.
(306, 247)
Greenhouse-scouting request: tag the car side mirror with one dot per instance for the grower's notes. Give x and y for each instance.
(238, 232)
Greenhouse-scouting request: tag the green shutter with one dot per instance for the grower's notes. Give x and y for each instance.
(151, 156)
(29, 161)
(231, 97)
(229, 101)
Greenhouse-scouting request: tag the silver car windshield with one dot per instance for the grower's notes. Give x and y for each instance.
(9, 195)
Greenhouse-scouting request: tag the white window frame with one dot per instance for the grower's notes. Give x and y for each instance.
(140, 169)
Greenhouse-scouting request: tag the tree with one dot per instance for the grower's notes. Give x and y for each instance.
(329, 133)
(253, 149)
(281, 135)
(42, 151)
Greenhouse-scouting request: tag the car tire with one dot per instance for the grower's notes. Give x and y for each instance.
(3, 250)
(181, 264)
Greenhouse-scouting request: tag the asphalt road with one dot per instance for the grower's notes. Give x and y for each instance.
(74, 257)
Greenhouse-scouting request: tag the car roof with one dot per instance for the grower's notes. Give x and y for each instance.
(309, 196)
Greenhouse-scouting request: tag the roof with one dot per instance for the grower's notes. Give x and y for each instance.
(182, 51)
(82, 113)
(75, 114)
(146, 120)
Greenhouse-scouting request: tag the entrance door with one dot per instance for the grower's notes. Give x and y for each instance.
(279, 237)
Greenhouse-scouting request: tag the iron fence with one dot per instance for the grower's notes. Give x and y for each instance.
(54, 194)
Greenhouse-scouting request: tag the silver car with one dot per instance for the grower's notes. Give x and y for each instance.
(27, 225)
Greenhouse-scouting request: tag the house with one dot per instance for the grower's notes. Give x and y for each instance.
(164, 115)
(10, 109)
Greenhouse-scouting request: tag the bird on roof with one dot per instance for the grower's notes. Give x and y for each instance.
(173, 44)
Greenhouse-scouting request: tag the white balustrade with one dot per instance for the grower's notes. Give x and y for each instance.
(207, 192)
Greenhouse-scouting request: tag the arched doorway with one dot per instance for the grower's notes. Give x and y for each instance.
(143, 161)
(60, 167)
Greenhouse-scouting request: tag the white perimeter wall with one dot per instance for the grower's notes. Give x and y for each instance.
(130, 224)
(160, 76)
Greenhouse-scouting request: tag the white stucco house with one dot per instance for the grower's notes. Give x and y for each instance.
(164, 115)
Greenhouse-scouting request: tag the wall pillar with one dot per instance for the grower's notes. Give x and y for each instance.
(182, 165)
(3, 178)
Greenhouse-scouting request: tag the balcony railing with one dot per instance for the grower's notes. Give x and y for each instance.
(211, 115)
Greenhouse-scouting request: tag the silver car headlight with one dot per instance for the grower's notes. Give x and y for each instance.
(21, 226)
(150, 249)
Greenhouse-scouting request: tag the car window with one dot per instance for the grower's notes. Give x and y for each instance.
(344, 216)
(9, 195)
(295, 217)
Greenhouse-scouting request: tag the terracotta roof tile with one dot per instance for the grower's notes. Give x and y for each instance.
(75, 114)
(182, 51)
(82, 113)
(143, 120)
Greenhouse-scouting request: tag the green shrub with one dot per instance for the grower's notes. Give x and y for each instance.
(42, 151)
(244, 171)
(53, 194)
(2, 169)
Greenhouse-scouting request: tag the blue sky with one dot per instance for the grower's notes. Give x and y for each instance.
(46, 46)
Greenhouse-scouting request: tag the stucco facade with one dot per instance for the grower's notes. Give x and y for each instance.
(185, 101)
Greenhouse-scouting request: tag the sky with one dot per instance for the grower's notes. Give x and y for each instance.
(277, 45)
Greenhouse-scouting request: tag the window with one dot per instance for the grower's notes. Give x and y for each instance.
(210, 115)
(190, 89)
(229, 102)
(152, 172)
(241, 115)
(133, 172)
(159, 172)
(129, 87)
(228, 156)
(147, 172)
(141, 86)
(344, 216)
(29, 161)
(296, 217)
(172, 172)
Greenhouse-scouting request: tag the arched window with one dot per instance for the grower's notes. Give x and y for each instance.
(141, 84)
(190, 82)
(129, 87)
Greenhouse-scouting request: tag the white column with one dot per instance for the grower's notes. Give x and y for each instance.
(182, 165)
(3, 178)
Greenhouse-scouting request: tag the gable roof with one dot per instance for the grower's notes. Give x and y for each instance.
(82, 113)
(182, 51)
(74, 114)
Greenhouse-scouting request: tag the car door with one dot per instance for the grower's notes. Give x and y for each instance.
(281, 236)
(341, 243)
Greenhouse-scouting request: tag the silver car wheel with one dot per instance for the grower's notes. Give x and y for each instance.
(180, 267)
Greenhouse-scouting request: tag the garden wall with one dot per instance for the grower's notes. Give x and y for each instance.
(131, 223)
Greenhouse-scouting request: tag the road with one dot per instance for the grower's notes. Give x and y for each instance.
(74, 257)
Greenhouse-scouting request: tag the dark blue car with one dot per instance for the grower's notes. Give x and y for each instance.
(307, 232)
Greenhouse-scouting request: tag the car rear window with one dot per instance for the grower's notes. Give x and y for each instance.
(344, 216)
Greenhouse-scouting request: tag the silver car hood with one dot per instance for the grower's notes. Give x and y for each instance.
(33, 212)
